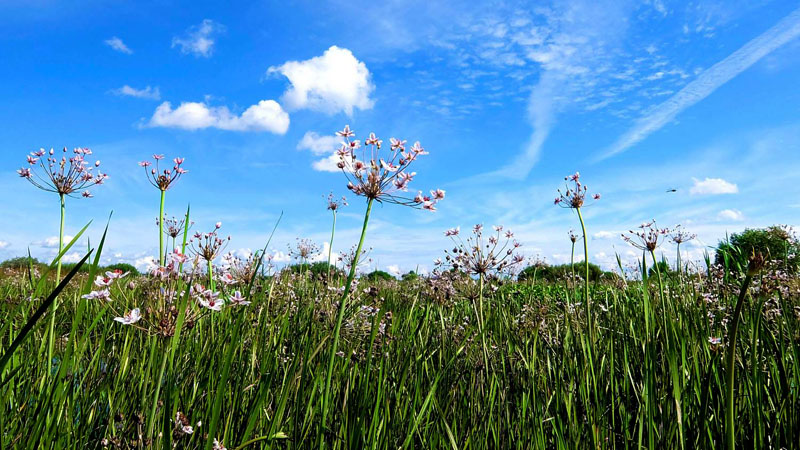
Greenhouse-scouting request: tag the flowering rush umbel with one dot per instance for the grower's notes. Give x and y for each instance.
(382, 175)
(163, 180)
(482, 255)
(574, 197)
(208, 246)
(67, 176)
(378, 174)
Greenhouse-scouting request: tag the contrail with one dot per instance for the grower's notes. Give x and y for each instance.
(708, 81)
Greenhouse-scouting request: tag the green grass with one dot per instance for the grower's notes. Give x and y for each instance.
(411, 371)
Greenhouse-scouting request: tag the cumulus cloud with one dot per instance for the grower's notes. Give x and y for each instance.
(71, 258)
(280, 257)
(331, 83)
(4, 245)
(319, 145)
(730, 215)
(145, 264)
(712, 186)
(267, 115)
(604, 235)
(394, 269)
(51, 242)
(150, 93)
(117, 44)
(327, 164)
(198, 40)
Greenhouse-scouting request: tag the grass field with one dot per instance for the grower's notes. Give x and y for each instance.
(648, 369)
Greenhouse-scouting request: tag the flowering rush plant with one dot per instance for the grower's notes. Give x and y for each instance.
(67, 176)
(483, 255)
(381, 175)
(574, 194)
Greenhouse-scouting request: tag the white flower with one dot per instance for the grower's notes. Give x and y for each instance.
(237, 299)
(98, 295)
(130, 317)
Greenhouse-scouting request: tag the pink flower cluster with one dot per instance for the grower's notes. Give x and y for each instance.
(574, 196)
(163, 179)
(383, 178)
(647, 237)
(481, 255)
(66, 175)
(209, 245)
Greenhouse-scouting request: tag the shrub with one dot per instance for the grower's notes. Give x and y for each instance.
(20, 262)
(378, 275)
(777, 243)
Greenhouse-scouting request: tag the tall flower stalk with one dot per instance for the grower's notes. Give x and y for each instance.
(755, 264)
(68, 176)
(377, 176)
(574, 197)
(208, 246)
(484, 257)
(333, 207)
(163, 180)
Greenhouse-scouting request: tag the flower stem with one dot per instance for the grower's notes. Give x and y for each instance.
(730, 427)
(51, 343)
(330, 246)
(161, 230)
(586, 266)
(339, 318)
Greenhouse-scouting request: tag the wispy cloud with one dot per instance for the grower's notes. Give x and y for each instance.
(708, 81)
(117, 44)
(151, 93)
(199, 40)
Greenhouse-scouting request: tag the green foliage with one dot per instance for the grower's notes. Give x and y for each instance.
(410, 276)
(124, 267)
(376, 275)
(562, 272)
(663, 267)
(318, 269)
(19, 263)
(776, 242)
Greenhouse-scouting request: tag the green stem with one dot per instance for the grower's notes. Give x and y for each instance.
(210, 276)
(340, 317)
(730, 427)
(51, 343)
(586, 266)
(330, 246)
(572, 268)
(161, 229)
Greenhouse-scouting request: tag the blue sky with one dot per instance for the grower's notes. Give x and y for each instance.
(508, 98)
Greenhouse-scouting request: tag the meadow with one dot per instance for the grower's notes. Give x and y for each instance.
(490, 350)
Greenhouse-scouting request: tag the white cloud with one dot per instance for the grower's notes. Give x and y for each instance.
(70, 258)
(51, 242)
(333, 82)
(713, 186)
(151, 93)
(267, 115)
(319, 145)
(145, 264)
(708, 81)
(4, 244)
(394, 269)
(604, 235)
(327, 164)
(117, 44)
(730, 215)
(198, 40)
(280, 257)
